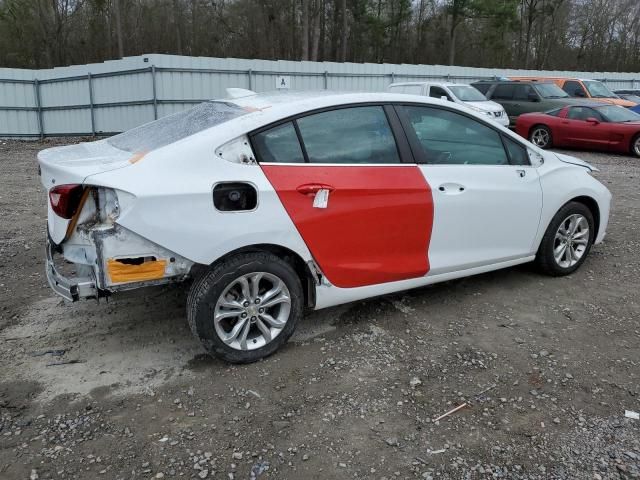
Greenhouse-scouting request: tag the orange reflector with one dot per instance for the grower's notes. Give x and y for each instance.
(123, 272)
(137, 157)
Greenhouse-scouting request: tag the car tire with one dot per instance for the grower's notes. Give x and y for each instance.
(635, 146)
(540, 136)
(565, 245)
(224, 306)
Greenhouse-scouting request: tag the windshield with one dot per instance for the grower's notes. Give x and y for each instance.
(598, 89)
(467, 94)
(550, 90)
(172, 128)
(631, 98)
(616, 113)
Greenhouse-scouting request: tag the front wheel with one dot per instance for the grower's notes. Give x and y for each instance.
(635, 145)
(540, 136)
(245, 307)
(567, 241)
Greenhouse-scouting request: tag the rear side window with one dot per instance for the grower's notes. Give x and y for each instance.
(349, 135)
(172, 128)
(454, 139)
(517, 153)
(503, 92)
(278, 145)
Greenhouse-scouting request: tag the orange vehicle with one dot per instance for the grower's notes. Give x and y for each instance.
(582, 88)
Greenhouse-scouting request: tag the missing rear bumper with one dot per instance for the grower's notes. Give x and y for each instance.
(72, 289)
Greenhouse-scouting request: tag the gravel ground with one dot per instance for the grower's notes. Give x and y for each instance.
(354, 394)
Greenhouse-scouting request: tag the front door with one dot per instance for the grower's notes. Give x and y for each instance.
(365, 215)
(578, 132)
(487, 197)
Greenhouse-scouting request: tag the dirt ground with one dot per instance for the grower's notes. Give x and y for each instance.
(353, 394)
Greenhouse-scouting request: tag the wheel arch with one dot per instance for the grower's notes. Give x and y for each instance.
(593, 207)
(302, 269)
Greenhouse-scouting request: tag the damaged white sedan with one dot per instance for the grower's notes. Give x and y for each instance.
(267, 204)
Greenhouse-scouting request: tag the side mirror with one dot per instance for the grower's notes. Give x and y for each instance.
(533, 97)
(593, 120)
(445, 98)
(579, 93)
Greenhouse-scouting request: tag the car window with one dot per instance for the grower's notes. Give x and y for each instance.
(521, 92)
(598, 89)
(437, 92)
(349, 135)
(550, 90)
(582, 113)
(503, 92)
(482, 87)
(451, 138)
(172, 128)
(574, 89)
(278, 145)
(517, 153)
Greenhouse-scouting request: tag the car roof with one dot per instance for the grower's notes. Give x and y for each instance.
(264, 109)
(288, 103)
(429, 82)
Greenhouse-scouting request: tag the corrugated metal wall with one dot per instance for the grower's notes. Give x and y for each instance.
(116, 95)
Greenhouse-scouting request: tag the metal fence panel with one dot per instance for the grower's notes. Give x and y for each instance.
(116, 95)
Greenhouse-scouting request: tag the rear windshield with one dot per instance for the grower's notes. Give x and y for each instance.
(175, 127)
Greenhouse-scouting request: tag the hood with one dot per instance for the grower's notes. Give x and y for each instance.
(576, 161)
(485, 106)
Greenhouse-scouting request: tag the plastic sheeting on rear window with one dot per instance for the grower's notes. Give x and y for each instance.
(172, 128)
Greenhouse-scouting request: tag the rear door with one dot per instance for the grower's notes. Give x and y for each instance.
(487, 196)
(364, 211)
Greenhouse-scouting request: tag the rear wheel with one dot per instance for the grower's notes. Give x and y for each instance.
(567, 241)
(245, 307)
(635, 145)
(540, 136)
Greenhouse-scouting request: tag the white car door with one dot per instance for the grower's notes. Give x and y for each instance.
(487, 197)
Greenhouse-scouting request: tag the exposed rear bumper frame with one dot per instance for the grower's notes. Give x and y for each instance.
(72, 289)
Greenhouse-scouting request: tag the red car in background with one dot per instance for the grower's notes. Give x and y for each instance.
(588, 126)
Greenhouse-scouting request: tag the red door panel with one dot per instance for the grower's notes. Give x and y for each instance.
(377, 224)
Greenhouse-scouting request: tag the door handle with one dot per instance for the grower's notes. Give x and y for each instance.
(521, 173)
(452, 188)
(313, 188)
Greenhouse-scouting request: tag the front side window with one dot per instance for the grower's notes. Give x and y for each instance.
(349, 135)
(451, 138)
(467, 93)
(522, 92)
(550, 90)
(574, 89)
(517, 153)
(278, 145)
(437, 92)
(582, 113)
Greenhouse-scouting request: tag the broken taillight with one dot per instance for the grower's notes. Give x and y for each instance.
(65, 199)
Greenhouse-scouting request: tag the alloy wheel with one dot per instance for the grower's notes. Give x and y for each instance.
(571, 240)
(252, 311)
(540, 137)
(636, 146)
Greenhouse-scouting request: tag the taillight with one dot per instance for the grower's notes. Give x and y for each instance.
(65, 199)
